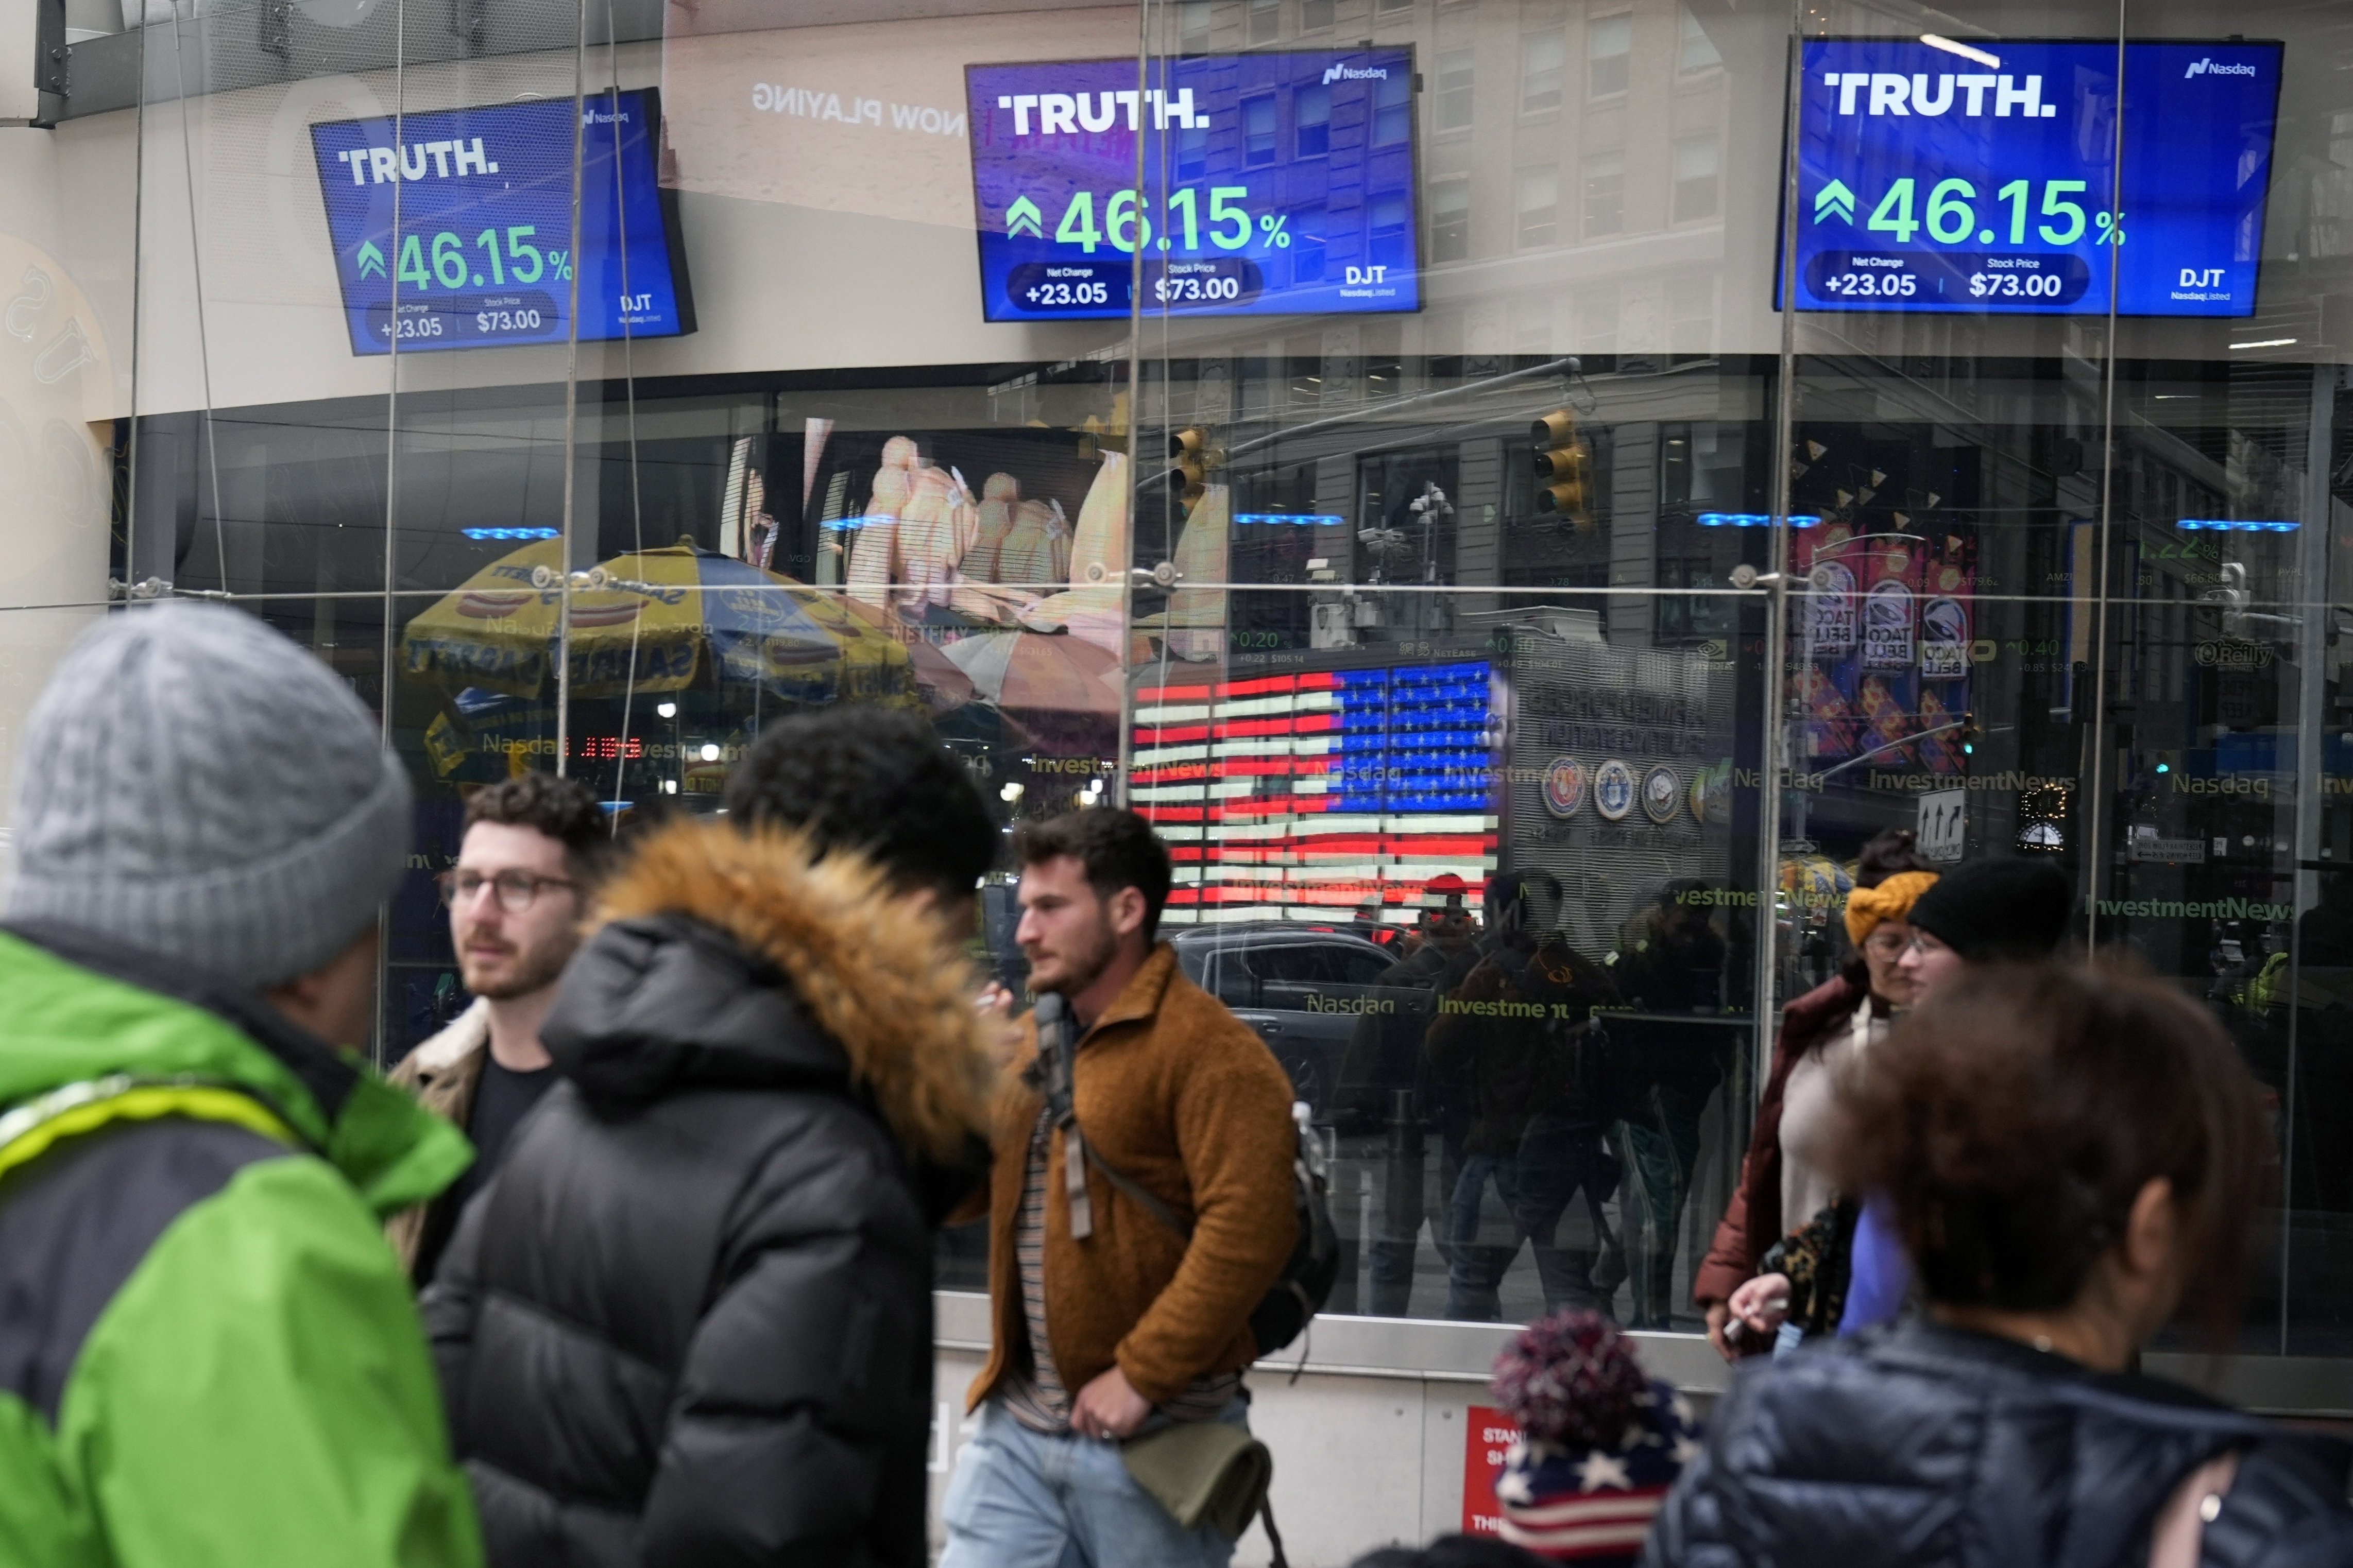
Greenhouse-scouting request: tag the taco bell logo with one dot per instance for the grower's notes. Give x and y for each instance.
(2207, 68)
(1355, 73)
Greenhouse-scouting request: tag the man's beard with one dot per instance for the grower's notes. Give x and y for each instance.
(532, 972)
(1086, 968)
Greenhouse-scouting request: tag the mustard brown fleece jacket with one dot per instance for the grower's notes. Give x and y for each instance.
(1178, 1096)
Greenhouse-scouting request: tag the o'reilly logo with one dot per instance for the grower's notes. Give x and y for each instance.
(2207, 68)
(1355, 73)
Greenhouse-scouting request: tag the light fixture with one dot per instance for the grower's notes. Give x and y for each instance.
(512, 532)
(2236, 525)
(709, 752)
(1009, 793)
(669, 786)
(666, 710)
(1752, 520)
(1967, 53)
(2265, 343)
(1323, 520)
(2164, 767)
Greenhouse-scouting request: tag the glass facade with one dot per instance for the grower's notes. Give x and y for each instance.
(1359, 433)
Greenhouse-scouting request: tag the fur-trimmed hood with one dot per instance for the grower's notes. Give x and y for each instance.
(722, 958)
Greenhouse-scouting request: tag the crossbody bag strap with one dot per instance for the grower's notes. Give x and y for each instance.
(1059, 1053)
(1135, 1189)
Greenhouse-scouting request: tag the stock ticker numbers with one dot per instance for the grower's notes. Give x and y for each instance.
(484, 254)
(1274, 183)
(1983, 176)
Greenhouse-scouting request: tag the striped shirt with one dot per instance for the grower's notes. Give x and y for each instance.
(1032, 1389)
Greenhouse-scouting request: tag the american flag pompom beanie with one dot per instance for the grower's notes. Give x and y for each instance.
(1571, 1379)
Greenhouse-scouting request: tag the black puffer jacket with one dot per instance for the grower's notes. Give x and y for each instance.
(690, 1322)
(1927, 1446)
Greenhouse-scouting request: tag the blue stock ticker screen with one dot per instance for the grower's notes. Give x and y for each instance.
(483, 256)
(1274, 184)
(1980, 176)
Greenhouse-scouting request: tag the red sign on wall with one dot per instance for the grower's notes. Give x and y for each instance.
(1486, 1438)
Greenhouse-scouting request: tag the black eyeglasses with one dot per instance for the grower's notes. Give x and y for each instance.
(517, 890)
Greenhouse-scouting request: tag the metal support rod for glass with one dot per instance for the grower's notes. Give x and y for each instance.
(571, 394)
(386, 650)
(1135, 483)
(1777, 612)
(2092, 853)
(2313, 630)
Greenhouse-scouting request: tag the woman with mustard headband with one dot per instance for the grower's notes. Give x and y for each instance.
(1782, 1183)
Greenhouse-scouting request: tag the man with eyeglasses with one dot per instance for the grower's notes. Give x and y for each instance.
(515, 899)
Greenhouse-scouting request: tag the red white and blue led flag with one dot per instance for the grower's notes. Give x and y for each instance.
(1304, 796)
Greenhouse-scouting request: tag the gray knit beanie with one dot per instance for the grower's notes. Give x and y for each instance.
(191, 784)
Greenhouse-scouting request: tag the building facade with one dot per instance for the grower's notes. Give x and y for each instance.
(1362, 435)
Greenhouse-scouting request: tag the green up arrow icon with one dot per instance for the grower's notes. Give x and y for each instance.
(1023, 218)
(1834, 200)
(371, 259)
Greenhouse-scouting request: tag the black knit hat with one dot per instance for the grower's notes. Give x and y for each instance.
(1988, 910)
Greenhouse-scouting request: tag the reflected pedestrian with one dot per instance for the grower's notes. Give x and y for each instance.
(2072, 1157)
(1669, 965)
(1387, 1085)
(525, 865)
(690, 1320)
(214, 1358)
(1516, 1031)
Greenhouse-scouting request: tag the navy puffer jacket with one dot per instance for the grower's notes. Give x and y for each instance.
(1923, 1444)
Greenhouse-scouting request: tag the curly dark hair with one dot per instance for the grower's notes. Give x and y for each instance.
(2014, 1117)
(563, 809)
(1118, 848)
(874, 780)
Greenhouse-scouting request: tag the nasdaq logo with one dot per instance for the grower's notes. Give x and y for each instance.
(2207, 68)
(1355, 73)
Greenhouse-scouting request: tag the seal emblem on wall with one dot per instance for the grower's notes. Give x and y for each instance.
(1564, 787)
(1662, 793)
(1613, 790)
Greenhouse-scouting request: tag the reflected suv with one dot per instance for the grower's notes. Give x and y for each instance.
(1302, 988)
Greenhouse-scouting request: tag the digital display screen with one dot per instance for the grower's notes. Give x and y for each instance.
(1982, 176)
(484, 254)
(1276, 184)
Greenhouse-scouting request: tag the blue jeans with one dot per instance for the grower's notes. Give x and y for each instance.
(1021, 1499)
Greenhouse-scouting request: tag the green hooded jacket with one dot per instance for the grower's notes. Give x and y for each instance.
(209, 1357)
